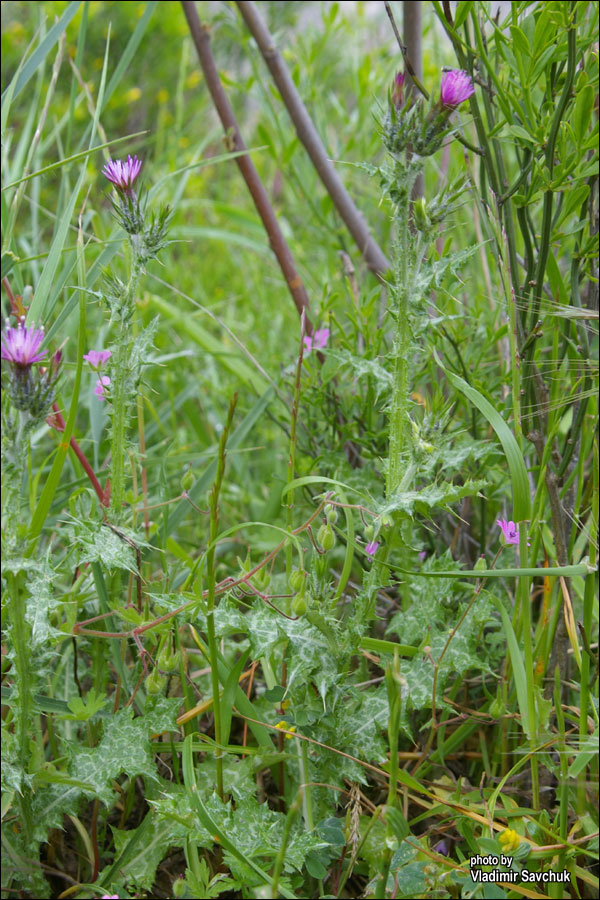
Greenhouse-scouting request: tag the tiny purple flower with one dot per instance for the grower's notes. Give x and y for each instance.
(372, 548)
(20, 345)
(442, 848)
(101, 385)
(97, 358)
(510, 531)
(456, 87)
(123, 174)
(398, 90)
(317, 341)
(422, 555)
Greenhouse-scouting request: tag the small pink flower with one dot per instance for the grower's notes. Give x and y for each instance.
(456, 87)
(123, 174)
(101, 385)
(20, 345)
(422, 555)
(97, 358)
(372, 548)
(398, 90)
(510, 531)
(110, 897)
(317, 341)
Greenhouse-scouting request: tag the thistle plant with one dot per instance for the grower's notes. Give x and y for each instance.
(410, 134)
(29, 396)
(146, 236)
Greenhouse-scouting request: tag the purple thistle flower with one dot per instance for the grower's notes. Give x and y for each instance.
(97, 358)
(397, 95)
(456, 87)
(317, 341)
(101, 385)
(372, 548)
(510, 531)
(20, 345)
(123, 174)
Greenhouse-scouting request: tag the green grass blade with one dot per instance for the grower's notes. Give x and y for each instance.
(514, 457)
(40, 53)
(516, 659)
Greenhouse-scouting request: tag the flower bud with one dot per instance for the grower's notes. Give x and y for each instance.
(326, 537)
(188, 479)
(300, 604)
(155, 682)
(297, 579)
(481, 564)
(168, 661)
(179, 887)
(420, 215)
(331, 514)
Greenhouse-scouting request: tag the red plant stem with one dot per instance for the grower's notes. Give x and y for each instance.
(234, 142)
(57, 421)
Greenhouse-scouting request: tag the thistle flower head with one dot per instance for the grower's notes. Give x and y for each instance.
(21, 345)
(456, 87)
(123, 174)
(397, 94)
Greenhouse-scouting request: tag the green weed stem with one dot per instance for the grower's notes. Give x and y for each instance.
(211, 570)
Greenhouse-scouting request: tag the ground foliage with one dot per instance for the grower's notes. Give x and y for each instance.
(383, 693)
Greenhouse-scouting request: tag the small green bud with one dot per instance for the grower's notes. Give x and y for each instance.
(179, 887)
(331, 515)
(326, 537)
(187, 482)
(387, 521)
(300, 604)
(481, 564)
(369, 531)
(297, 579)
(155, 682)
(420, 215)
(169, 661)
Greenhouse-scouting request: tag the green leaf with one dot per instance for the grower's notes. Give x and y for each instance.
(514, 457)
(582, 114)
(84, 709)
(516, 659)
(463, 8)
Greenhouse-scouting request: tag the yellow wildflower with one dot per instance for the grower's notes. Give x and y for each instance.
(285, 727)
(509, 839)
